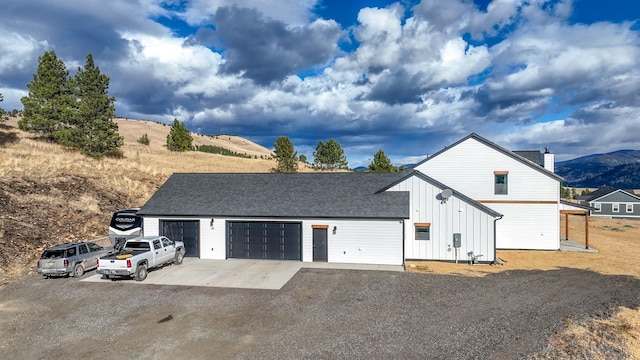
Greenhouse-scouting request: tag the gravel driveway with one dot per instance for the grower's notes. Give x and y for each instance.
(319, 314)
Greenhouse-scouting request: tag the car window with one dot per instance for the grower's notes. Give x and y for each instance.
(94, 247)
(71, 252)
(82, 248)
(166, 242)
(156, 244)
(52, 254)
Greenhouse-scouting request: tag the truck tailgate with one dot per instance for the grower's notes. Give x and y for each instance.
(112, 263)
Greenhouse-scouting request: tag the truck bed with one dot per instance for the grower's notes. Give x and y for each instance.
(123, 255)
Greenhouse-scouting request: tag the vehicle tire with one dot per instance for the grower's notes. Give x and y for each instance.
(179, 257)
(78, 270)
(141, 272)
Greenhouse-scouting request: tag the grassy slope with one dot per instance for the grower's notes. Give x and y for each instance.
(49, 194)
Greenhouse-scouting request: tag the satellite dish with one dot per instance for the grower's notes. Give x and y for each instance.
(446, 193)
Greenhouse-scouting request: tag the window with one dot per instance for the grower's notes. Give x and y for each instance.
(630, 208)
(166, 242)
(94, 247)
(83, 249)
(615, 207)
(501, 182)
(423, 231)
(597, 206)
(157, 244)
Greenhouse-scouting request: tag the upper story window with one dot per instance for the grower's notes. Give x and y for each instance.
(630, 208)
(597, 206)
(615, 207)
(500, 182)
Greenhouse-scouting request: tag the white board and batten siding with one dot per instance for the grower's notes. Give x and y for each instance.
(355, 241)
(531, 207)
(445, 218)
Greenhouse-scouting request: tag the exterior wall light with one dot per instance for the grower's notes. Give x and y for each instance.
(211, 223)
(335, 229)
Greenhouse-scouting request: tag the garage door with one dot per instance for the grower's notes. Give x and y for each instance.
(264, 240)
(185, 231)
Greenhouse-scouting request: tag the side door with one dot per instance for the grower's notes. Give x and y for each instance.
(169, 248)
(85, 257)
(157, 252)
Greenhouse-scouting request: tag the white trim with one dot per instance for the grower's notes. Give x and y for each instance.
(597, 206)
(630, 208)
(615, 207)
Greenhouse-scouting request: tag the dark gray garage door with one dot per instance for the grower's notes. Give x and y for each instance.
(264, 240)
(185, 231)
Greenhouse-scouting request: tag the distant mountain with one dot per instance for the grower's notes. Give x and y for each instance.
(619, 169)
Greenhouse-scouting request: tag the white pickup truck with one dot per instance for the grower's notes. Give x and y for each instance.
(140, 254)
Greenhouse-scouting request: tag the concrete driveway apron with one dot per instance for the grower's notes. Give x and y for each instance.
(236, 273)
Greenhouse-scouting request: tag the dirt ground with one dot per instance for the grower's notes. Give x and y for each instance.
(617, 242)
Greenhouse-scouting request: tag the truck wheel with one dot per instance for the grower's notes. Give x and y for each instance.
(78, 270)
(141, 272)
(179, 257)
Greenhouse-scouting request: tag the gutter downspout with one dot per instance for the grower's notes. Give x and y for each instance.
(404, 267)
(495, 251)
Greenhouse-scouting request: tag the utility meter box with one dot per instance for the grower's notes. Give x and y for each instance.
(457, 240)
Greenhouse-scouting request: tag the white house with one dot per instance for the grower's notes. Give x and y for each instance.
(526, 193)
(458, 205)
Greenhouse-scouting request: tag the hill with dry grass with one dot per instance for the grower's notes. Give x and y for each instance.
(49, 194)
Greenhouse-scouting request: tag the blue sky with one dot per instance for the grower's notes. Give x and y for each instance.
(407, 77)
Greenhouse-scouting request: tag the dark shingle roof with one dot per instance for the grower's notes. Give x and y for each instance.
(344, 195)
(605, 190)
(534, 156)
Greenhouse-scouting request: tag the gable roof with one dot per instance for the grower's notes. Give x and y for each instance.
(500, 149)
(442, 186)
(296, 195)
(607, 190)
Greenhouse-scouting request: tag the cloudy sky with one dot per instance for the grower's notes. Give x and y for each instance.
(407, 77)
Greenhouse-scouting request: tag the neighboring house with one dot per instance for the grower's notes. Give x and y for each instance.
(444, 209)
(526, 193)
(613, 202)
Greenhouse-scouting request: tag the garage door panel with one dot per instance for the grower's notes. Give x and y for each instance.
(265, 240)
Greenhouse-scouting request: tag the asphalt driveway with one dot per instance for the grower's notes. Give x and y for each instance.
(318, 314)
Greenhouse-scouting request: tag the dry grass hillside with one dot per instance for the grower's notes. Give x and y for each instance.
(49, 194)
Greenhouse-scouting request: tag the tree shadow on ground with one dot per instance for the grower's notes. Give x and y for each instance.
(7, 135)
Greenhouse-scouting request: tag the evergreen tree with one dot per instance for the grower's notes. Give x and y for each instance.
(92, 129)
(144, 139)
(2, 119)
(285, 155)
(329, 155)
(50, 102)
(303, 158)
(565, 193)
(179, 138)
(381, 163)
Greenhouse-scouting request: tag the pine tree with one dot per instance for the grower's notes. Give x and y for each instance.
(303, 158)
(144, 139)
(92, 129)
(286, 156)
(329, 155)
(50, 103)
(381, 163)
(179, 137)
(2, 119)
